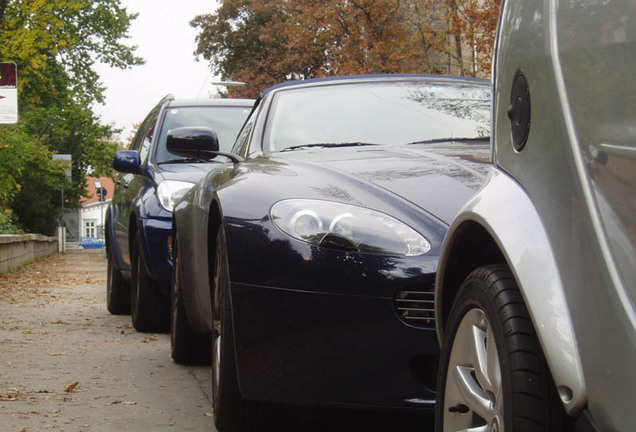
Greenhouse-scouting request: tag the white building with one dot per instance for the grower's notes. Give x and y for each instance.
(93, 211)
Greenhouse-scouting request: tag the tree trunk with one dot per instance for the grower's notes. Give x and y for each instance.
(456, 31)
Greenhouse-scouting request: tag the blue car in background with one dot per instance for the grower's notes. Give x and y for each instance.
(139, 218)
(91, 243)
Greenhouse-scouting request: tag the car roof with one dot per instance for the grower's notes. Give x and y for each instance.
(371, 77)
(211, 102)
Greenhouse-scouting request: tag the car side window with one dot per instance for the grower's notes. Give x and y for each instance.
(145, 145)
(136, 142)
(242, 144)
(144, 135)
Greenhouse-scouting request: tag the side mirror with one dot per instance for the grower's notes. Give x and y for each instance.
(127, 161)
(193, 142)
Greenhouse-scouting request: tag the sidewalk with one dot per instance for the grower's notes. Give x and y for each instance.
(66, 364)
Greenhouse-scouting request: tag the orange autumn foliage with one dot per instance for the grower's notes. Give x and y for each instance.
(263, 42)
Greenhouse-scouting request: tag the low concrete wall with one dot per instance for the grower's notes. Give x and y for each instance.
(15, 250)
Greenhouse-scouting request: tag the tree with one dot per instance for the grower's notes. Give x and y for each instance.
(472, 26)
(56, 43)
(28, 179)
(55, 46)
(263, 42)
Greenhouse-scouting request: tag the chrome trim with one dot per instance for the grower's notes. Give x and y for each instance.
(618, 150)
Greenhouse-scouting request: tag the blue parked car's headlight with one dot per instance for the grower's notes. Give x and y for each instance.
(346, 227)
(169, 192)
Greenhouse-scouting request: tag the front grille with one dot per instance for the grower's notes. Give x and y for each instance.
(416, 307)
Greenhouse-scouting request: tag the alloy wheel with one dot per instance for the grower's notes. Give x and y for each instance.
(474, 394)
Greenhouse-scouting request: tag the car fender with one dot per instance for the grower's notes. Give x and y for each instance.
(190, 226)
(520, 236)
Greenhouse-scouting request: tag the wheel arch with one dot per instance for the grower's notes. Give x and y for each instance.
(470, 247)
(501, 225)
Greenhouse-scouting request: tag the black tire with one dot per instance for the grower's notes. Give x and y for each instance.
(149, 309)
(187, 347)
(513, 387)
(117, 289)
(231, 410)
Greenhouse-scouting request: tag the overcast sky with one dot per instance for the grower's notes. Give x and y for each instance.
(166, 41)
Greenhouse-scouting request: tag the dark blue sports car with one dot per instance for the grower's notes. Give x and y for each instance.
(307, 261)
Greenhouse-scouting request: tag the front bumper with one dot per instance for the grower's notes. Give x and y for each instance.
(156, 252)
(314, 348)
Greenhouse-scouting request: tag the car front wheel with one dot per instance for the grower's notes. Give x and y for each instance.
(230, 408)
(149, 309)
(493, 375)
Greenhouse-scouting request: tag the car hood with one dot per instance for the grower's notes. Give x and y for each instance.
(438, 178)
(188, 172)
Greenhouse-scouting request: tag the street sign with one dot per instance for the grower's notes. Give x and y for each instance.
(8, 93)
(67, 161)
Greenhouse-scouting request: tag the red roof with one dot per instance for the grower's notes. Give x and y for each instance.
(107, 183)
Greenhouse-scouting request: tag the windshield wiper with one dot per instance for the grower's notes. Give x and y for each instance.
(438, 140)
(181, 160)
(326, 145)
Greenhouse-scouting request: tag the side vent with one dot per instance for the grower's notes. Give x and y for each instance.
(416, 307)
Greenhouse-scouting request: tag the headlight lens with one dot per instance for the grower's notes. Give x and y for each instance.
(346, 227)
(169, 192)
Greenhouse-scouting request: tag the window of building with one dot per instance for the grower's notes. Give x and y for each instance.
(89, 228)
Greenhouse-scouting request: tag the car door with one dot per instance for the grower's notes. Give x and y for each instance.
(128, 188)
(596, 42)
(598, 62)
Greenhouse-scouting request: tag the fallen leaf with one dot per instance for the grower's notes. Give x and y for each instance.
(71, 387)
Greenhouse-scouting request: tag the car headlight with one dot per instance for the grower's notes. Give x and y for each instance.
(169, 192)
(346, 227)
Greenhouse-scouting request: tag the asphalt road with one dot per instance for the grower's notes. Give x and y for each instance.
(66, 364)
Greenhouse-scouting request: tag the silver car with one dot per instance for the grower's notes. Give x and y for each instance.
(536, 288)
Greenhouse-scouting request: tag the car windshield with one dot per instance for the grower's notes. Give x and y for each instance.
(224, 120)
(389, 112)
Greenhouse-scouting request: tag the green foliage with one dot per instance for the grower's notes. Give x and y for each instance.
(72, 129)
(55, 45)
(28, 175)
(8, 224)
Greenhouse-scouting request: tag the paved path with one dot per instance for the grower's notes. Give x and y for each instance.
(66, 364)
